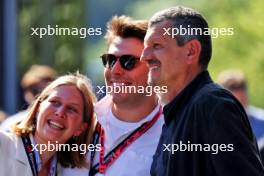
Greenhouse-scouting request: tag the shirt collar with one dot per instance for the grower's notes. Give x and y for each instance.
(103, 110)
(185, 95)
(101, 107)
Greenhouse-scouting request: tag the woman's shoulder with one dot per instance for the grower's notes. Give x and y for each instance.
(7, 138)
(9, 142)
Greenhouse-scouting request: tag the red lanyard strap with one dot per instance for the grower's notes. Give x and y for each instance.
(107, 161)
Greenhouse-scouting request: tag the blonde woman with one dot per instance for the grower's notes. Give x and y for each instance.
(62, 114)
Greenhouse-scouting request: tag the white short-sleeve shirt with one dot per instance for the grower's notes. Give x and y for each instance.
(137, 158)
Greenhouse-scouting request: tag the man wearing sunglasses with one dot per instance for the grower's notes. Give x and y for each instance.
(206, 131)
(130, 122)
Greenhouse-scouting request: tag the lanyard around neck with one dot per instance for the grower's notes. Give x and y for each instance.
(31, 155)
(106, 161)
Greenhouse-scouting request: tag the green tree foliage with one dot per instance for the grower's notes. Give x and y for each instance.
(243, 50)
(64, 53)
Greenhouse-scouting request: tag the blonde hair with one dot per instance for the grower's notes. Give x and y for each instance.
(82, 83)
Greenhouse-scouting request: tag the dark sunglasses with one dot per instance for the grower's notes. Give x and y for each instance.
(127, 62)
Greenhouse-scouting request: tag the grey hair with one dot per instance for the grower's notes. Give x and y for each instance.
(187, 18)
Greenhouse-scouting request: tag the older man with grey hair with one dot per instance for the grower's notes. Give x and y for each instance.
(206, 131)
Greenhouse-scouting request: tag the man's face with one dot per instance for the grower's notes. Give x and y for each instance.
(117, 75)
(166, 60)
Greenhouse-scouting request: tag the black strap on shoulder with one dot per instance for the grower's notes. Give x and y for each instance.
(30, 154)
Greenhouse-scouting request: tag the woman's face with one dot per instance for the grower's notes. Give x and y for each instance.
(60, 115)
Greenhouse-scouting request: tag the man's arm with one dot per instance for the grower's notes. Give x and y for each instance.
(228, 124)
